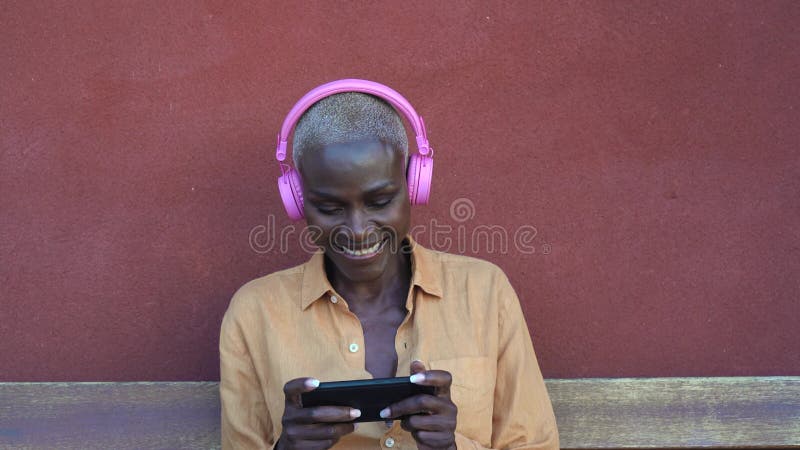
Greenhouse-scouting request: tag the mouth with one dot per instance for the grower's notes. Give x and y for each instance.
(361, 251)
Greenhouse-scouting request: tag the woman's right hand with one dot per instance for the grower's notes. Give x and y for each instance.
(314, 428)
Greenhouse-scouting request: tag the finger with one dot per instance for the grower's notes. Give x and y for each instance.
(417, 366)
(323, 414)
(439, 379)
(435, 439)
(418, 404)
(293, 388)
(427, 422)
(319, 431)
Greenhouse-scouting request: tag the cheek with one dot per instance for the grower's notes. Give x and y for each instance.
(399, 219)
(318, 228)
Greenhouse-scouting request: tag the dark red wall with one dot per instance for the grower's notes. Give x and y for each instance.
(653, 146)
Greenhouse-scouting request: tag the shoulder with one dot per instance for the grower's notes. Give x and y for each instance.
(464, 267)
(474, 283)
(275, 290)
(470, 264)
(482, 287)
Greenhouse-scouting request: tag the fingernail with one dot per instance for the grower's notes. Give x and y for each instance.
(417, 378)
(418, 360)
(355, 426)
(355, 413)
(385, 413)
(312, 383)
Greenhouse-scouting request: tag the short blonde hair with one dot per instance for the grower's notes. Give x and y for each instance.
(348, 117)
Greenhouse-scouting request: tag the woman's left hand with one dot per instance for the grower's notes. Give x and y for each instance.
(431, 419)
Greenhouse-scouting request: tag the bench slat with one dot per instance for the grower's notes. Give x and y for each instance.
(741, 412)
(109, 415)
(735, 412)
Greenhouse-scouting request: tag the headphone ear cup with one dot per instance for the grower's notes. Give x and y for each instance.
(425, 179)
(411, 176)
(291, 190)
(420, 175)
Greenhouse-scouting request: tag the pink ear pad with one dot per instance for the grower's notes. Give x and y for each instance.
(420, 175)
(292, 194)
(411, 175)
(425, 179)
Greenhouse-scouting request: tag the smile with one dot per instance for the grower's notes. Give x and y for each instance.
(362, 253)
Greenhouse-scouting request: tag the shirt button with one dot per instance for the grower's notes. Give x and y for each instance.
(334, 299)
(353, 347)
(389, 442)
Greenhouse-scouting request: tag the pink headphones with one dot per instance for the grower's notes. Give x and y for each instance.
(420, 167)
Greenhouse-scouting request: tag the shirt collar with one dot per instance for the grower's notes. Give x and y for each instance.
(425, 273)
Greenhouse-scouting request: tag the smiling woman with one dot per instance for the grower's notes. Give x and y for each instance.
(375, 304)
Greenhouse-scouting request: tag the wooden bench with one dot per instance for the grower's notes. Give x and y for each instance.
(623, 413)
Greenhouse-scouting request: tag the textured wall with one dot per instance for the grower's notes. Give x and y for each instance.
(651, 145)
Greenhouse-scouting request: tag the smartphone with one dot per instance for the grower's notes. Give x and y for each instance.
(369, 396)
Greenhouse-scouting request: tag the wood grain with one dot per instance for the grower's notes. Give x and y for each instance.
(623, 413)
(740, 412)
(109, 415)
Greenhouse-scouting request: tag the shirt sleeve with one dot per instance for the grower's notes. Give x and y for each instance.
(246, 422)
(523, 415)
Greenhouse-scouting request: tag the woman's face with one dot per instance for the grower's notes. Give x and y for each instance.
(356, 194)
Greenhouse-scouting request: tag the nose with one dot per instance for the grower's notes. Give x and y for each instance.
(360, 225)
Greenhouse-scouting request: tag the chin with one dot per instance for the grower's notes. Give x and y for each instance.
(361, 267)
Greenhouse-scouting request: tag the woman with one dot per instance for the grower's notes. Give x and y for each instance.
(373, 303)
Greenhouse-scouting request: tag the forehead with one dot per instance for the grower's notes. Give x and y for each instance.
(351, 168)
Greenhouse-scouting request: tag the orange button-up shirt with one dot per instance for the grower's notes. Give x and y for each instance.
(464, 317)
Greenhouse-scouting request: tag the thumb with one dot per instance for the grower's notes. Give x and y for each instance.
(417, 366)
(292, 389)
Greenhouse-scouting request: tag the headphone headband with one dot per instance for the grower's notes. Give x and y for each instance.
(419, 172)
(353, 85)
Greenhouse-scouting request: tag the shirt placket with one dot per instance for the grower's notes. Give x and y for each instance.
(395, 437)
(353, 352)
(351, 344)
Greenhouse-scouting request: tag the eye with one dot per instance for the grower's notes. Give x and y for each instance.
(329, 210)
(380, 203)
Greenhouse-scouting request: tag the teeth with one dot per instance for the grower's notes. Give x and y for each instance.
(363, 252)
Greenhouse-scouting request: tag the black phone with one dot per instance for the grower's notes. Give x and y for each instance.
(369, 396)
